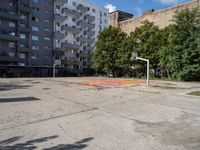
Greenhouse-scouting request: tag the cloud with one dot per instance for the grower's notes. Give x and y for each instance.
(138, 11)
(110, 7)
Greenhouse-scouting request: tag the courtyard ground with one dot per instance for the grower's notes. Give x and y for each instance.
(98, 114)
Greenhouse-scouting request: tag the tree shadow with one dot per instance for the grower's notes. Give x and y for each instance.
(11, 144)
(13, 86)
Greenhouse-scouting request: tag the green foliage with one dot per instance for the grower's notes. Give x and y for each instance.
(183, 49)
(146, 41)
(111, 56)
(174, 49)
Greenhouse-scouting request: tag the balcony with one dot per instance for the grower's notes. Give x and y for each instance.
(91, 33)
(58, 35)
(57, 52)
(9, 37)
(71, 61)
(25, 8)
(84, 24)
(89, 48)
(85, 55)
(82, 8)
(73, 30)
(89, 18)
(24, 49)
(25, 29)
(91, 26)
(59, 2)
(8, 59)
(87, 40)
(72, 13)
(59, 18)
(70, 46)
(8, 15)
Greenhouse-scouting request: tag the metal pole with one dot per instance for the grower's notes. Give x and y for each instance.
(147, 72)
(54, 70)
(139, 58)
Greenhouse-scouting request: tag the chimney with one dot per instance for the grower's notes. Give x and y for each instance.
(148, 12)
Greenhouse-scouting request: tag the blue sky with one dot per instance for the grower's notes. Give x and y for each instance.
(137, 6)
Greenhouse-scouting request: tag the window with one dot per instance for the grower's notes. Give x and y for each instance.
(35, 28)
(34, 56)
(11, 44)
(47, 2)
(22, 56)
(23, 17)
(47, 38)
(35, 10)
(46, 29)
(105, 14)
(22, 36)
(57, 7)
(12, 24)
(74, 3)
(46, 47)
(21, 45)
(73, 20)
(47, 21)
(35, 19)
(11, 54)
(58, 24)
(93, 10)
(66, 1)
(105, 21)
(47, 12)
(35, 1)
(35, 47)
(22, 25)
(11, 3)
(100, 14)
(35, 38)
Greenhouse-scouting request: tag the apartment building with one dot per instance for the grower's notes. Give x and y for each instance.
(37, 33)
(76, 26)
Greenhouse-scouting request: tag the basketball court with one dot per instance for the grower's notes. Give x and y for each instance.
(113, 83)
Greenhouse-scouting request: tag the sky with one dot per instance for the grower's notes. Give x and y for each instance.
(136, 7)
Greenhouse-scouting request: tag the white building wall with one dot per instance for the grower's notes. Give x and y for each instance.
(100, 22)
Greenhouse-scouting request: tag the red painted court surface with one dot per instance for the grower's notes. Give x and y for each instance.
(113, 83)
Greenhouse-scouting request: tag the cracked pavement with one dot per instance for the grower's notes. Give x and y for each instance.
(60, 113)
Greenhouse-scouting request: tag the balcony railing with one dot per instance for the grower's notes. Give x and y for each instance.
(60, 2)
(67, 46)
(71, 29)
(89, 18)
(82, 8)
(57, 52)
(25, 29)
(71, 61)
(72, 13)
(87, 40)
(91, 33)
(24, 8)
(8, 15)
(8, 58)
(7, 36)
(58, 35)
(89, 48)
(24, 49)
(84, 24)
(59, 18)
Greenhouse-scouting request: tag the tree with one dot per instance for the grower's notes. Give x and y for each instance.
(111, 55)
(183, 54)
(146, 41)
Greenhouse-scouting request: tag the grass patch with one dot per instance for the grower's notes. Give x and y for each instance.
(196, 93)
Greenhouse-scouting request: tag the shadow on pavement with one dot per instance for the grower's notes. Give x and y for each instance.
(18, 99)
(13, 86)
(11, 144)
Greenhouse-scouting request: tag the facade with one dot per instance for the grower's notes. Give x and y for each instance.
(36, 33)
(76, 26)
(162, 18)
